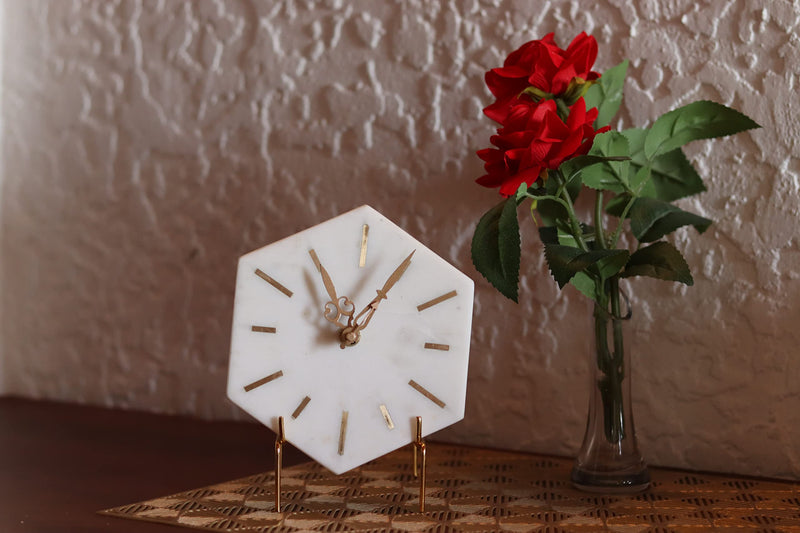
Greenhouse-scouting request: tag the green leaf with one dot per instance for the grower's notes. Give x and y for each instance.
(660, 260)
(572, 168)
(566, 237)
(642, 182)
(606, 94)
(651, 219)
(548, 234)
(636, 138)
(496, 248)
(611, 265)
(611, 175)
(522, 192)
(672, 175)
(561, 234)
(566, 261)
(585, 284)
(550, 211)
(698, 120)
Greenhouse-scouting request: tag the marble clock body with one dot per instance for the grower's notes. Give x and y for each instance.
(346, 406)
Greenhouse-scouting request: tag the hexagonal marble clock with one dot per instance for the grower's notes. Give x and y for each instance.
(349, 330)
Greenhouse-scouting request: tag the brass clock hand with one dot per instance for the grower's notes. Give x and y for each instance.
(337, 307)
(352, 333)
(395, 277)
(373, 305)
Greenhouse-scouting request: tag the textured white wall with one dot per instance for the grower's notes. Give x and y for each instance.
(149, 144)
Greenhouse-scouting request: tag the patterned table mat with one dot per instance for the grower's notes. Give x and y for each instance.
(472, 489)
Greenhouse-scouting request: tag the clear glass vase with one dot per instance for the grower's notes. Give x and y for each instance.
(609, 459)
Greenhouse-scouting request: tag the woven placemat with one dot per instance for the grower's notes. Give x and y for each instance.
(473, 489)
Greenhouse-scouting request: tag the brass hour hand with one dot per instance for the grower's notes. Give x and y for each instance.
(337, 307)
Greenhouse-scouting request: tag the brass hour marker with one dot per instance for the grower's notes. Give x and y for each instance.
(387, 417)
(425, 392)
(434, 346)
(274, 283)
(301, 407)
(263, 329)
(342, 432)
(314, 258)
(263, 381)
(437, 300)
(362, 260)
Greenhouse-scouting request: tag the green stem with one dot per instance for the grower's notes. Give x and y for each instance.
(573, 218)
(536, 198)
(600, 236)
(618, 231)
(610, 361)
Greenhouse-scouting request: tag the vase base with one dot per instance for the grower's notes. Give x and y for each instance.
(610, 482)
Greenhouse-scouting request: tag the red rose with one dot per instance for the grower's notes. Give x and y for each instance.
(533, 140)
(543, 65)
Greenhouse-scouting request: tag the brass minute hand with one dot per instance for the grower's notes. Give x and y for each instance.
(370, 309)
(337, 306)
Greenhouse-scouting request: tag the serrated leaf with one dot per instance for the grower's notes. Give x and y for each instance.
(660, 260)
(651, 219)
(565, 261)
(635, 138)
(496, 247)
(609, 175)
(698, 120)
(606, 94)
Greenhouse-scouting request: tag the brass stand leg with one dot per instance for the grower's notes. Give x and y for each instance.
(420, 467)
(280, 439)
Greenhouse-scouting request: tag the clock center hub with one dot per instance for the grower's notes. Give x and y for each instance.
(349, 336)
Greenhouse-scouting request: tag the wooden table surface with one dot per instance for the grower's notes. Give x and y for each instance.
(61, 463)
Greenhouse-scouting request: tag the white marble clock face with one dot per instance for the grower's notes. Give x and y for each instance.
(346, 406)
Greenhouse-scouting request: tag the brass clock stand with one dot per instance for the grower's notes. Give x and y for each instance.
(419, 452)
